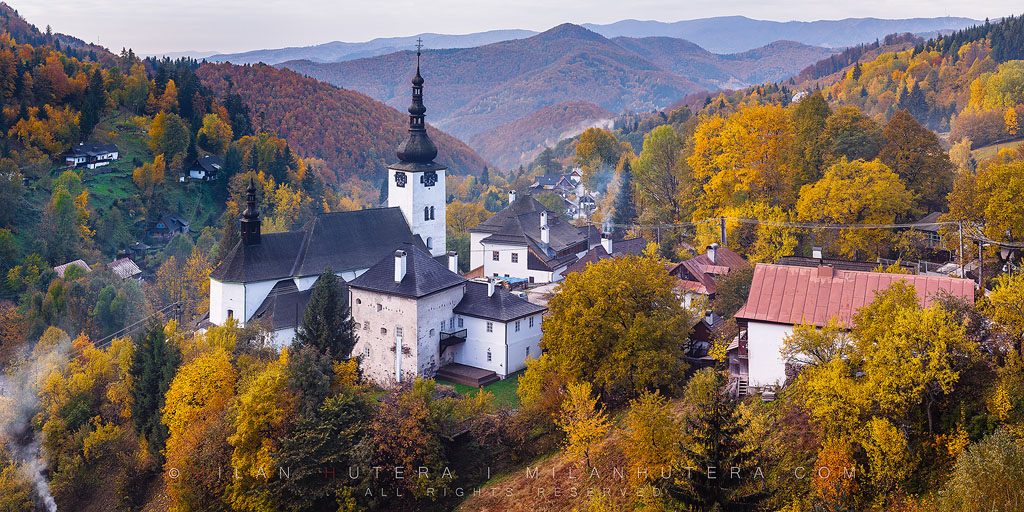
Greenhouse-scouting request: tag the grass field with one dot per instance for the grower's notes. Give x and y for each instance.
(504, 390)
(990, 151)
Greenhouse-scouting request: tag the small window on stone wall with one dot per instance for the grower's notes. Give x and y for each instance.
(366, 352)
(380, 307)
(359, 301)
(488, 355)
(399, 332)
(383, 331)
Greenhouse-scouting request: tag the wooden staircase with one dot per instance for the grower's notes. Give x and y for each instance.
(466, 375)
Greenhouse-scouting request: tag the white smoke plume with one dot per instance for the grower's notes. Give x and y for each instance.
(19, 402)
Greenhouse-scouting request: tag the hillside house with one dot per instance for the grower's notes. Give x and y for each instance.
(170, 224)
(697, 275)
(527, 240)
(125, 268)
(205, 168)
(607, 250)
(62, 269)
(91, 155)
(783, 296)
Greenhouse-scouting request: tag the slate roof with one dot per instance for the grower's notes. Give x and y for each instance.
(210, 163)
(793, 295)
(91, 149)
(173, 222)
(423, 274)
(929, 223)
(519, 224)
(342, 241)
(272, 258)
(503, 306)
(284, 306)
(353, 240)
(633, 246)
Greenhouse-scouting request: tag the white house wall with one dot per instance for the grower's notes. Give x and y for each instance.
(476, 250)
(379, 364)
(504, 266)
(764, 356)
(225, 296)
(474, 351)
(434, 312)
(519, 341)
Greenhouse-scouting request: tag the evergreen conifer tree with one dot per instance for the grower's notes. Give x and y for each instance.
(326, 324)
(625, 207)
(154, 364)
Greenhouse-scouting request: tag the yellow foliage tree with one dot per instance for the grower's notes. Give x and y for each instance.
(150, 176)
(169, 99)
(652, 438)
(855, 192)
(582, 420)
(1010, 118)
(216, 133)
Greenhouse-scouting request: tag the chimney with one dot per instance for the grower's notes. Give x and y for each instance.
(545, 235)
(713, 253)
(826, 271)
(453, 262)
(709, 317)
(399, 265)
(606, 241)
(816, 252)
(511, 196)
(490, 287)
(543, 218)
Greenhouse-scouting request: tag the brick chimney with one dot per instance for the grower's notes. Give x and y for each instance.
(399, 265)
(826, 271)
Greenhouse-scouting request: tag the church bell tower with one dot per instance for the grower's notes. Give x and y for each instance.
(416, 184)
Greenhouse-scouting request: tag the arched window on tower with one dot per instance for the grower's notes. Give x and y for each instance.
(430, 243)
(426, 213)
(431, 213)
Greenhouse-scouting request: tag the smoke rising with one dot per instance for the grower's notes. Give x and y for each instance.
(19, 402)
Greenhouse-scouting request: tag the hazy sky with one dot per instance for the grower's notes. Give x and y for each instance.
(151, 26)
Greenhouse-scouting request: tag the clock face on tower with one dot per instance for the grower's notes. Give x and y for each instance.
(429, 179)
(400, 179)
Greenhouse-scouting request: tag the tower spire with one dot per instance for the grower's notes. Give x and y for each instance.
(250, 225)
(418, 148)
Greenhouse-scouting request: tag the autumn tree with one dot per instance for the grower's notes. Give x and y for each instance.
(915, 154)
(662, 176)
(150, 176)
(851, 134)
(326, 323)
(855, 193)
(987, 475)
(597, 152)
(652, 437)
(462, 216)
(617, 325)
(810, 116)
(1005, 307)
(583, 421)
(65, 226)
(215, 134)
(168, 135)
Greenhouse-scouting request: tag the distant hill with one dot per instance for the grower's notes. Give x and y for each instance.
(730, 34)
(337, 51)
(772, 62)
(518, 142)
(26, 33)
(727, 34)
(471, 90)
(353, 133)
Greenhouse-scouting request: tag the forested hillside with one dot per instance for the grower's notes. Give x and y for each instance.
(517, 142)
(354, 134)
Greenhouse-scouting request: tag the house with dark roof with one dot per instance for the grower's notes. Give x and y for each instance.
(782, 296)
(527, 240)
(205, 168)
(416, 317)
(606, 250)
(125, 268)
(253, 277)
(170, 224)
(697, 276)
(91, 155)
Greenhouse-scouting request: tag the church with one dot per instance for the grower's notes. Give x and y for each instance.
(415, 315)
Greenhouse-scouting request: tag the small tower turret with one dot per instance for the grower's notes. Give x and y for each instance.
(250, 223)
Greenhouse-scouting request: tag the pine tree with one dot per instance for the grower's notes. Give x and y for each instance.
(326, 323)
(625, 207)
(715, 450)
(154, 363)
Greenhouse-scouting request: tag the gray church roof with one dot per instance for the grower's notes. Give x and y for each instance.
(342, 241)
(503, 306)
(423, 275)
(284, 306)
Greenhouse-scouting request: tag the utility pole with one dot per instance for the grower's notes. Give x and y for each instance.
(721, 228)
(960, 230)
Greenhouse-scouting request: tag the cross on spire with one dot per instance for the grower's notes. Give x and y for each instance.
(419, 46)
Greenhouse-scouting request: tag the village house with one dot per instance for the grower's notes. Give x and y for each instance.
(61, 270)
(125, 268)
(170, 224)
(697, 275)
(527, 240)
(91, 155)
(205, 168)
(606, 250)
(783, 296)
(415, 315)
